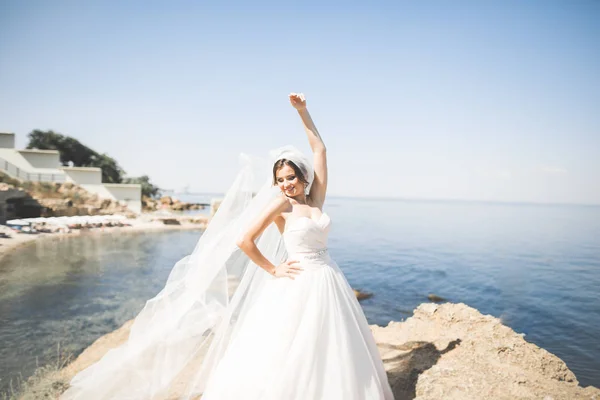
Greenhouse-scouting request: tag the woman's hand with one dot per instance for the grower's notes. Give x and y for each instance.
(287, 269)
(298, 101)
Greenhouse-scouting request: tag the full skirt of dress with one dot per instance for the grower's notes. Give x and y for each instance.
(303, 339)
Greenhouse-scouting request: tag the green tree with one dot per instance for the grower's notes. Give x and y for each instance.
(148, 189)
(71, 150)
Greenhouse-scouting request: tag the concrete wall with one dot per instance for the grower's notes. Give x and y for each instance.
(42, 158)
(128, 194)
(15, 164)
(43, 164)
(83, 175)
(7, 140)
(131, 194)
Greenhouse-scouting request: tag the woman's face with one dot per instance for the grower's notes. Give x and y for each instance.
(288, 182)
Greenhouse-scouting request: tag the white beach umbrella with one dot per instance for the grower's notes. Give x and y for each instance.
(17, 222)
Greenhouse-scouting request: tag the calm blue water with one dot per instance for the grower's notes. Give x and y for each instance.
(536, 267)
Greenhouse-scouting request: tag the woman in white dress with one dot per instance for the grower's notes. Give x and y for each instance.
(275, 320)
(306, 336)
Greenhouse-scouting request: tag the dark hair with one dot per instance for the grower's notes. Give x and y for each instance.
(280, 163)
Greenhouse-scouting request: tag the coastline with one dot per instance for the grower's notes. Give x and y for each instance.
(448, 351)
(138, 225)
(444, 351)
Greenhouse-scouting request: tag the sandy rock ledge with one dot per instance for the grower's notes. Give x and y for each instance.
(452, 351)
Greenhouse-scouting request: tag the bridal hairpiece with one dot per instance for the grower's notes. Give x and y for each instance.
(294, 155)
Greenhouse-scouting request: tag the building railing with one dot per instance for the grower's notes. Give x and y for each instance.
(19, 173)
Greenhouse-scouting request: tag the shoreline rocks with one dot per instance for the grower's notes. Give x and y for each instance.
(168, 203)
(452, 351)
(55, 199)
(448, 351)
(360, 295)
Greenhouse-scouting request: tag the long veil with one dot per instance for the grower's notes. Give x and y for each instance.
(180, 335)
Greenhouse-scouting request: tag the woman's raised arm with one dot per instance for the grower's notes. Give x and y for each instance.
(319, 186)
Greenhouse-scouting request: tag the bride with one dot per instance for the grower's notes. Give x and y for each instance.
(259, 310)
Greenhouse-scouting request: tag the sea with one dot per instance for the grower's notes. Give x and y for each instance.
(536, 267)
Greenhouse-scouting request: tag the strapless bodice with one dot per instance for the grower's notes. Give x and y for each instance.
(306, 235)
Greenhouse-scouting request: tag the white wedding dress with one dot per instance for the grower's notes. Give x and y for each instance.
(225, 329)
(303, 339)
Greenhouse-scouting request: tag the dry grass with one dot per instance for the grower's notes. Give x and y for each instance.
(50, 190)
(46, 383)
(9, 180)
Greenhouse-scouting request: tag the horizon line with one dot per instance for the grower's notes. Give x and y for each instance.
(420, 199)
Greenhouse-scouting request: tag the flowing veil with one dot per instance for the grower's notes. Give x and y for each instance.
(180, 335)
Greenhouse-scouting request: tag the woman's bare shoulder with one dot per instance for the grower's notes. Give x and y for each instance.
(281, 203)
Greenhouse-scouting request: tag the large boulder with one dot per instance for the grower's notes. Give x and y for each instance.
(452, 351)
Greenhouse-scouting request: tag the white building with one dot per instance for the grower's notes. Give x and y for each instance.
(45, 166)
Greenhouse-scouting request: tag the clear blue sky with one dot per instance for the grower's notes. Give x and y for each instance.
(432, 99)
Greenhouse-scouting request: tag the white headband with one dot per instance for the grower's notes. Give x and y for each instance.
(294, 155)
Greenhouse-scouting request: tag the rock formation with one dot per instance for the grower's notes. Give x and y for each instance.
(447, 351)
(168, 203)
(452, 351)
(55, 199)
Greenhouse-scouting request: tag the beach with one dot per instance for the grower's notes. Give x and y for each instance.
(140, 225)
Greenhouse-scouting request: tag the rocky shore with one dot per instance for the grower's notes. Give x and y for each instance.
(55, 199)
(453, 352)
(446, 351)
(168, 202)
(58, 200)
